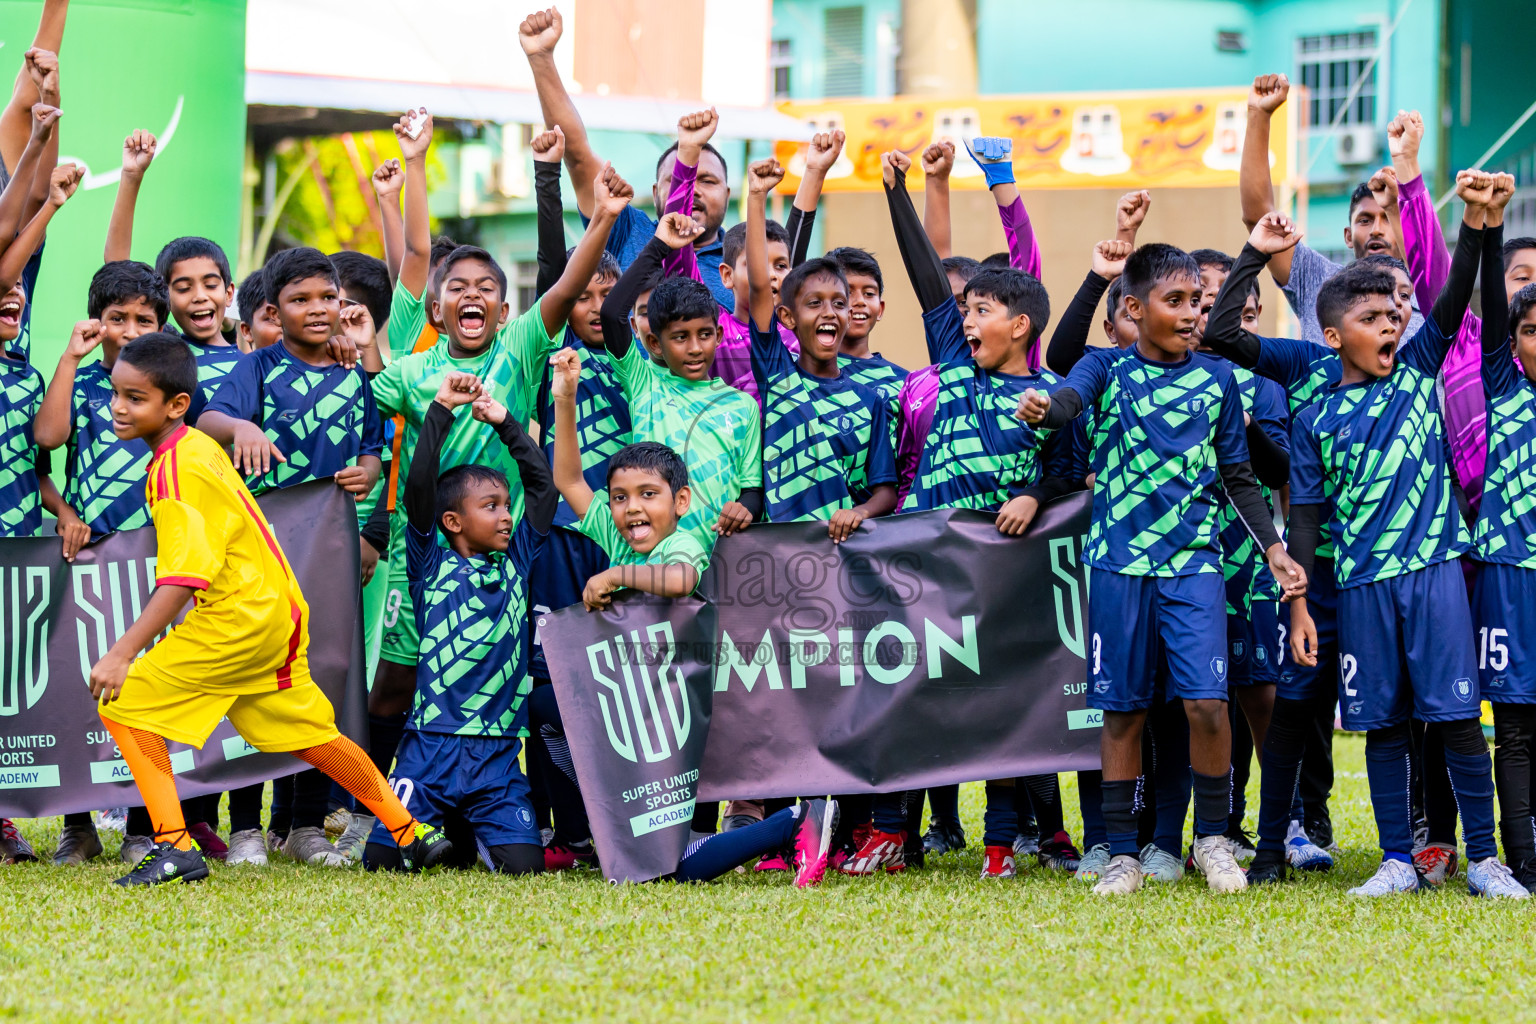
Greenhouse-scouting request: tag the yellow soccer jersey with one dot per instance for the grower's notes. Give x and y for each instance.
(248, 631)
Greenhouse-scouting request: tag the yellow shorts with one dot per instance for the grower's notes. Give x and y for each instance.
(277, 720)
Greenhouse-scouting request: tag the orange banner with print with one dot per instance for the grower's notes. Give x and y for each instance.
(1189, 139)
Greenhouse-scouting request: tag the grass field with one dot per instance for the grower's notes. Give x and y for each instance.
(309, 944)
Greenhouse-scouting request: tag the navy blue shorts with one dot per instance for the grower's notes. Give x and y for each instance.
(559, 574)
(1254, 645)
(1405, 648)
(1303, 682)
(476, 776)
(1504, 611)
(1136, 621)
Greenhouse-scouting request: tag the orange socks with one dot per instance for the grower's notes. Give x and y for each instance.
(345, 762)
(150, 762)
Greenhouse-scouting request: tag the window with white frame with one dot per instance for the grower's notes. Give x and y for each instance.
(524, 284)
(780, 58)
(1331, 66)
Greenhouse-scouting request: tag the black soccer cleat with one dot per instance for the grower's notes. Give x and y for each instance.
(1268, 868)
(165, 863)
(429, 848)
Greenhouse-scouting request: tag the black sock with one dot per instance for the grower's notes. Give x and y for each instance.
(384, 732)
(1514, 734)
(245, 808)
(1122, 802)
(1213, 803)
(81, 820)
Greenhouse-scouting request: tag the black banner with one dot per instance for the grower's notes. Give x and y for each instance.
(634, 695)
(927, 649)
(57, 619)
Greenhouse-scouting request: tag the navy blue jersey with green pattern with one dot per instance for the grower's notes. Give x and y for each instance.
(214, 363)
(1506, 522)
(21, 395)
(1161, 432)
(876, 371)
(1242, 564)
(602, 418)
(1376, 453)
(978, 453)
(826, 441)
(1305, 370)
(104, 474)
(472, 615)
(322, 418)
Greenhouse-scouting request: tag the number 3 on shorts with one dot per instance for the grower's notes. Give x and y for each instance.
(1098, 648)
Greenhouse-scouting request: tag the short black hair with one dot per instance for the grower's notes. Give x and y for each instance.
(679, 298)
(1524, 299)
(472, 252)
(123, 281)
(1155, 262)
(368, 277)
(724, 167)
(251, 296)
(1112, 296)
(166, 360)
(442, 245)
(190, 247)
(1361, 193)
(997, 261)
(1020, 292)
(854, 260)
(608, 268)
(736, 240)
(651, 457)
(1385, 261)
(297, 264)
(1514, 245)
(1350, 286)
(962, 265)
(795, 280)
(1212, 258)
(454, 484)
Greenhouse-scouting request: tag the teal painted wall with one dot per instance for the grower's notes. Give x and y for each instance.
(802, 22)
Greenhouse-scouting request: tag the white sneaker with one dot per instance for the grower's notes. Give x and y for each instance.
(135, 848)
(1093, 863)
(352, 841)
(114, 819)
(1158, 865)
(1490, 877)
(1215, 860)
(1121, 877)
(248, 846)
(1392, 876)
(308, 845)
(1302, 853)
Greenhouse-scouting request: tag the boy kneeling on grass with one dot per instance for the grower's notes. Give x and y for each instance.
(635, 522)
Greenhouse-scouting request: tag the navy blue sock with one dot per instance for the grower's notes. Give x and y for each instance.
(1170, 759)
(1042, 793)
(713, 857)
(1213, 803)
(1122, 801)
(1471, 771)
(889, 812)
(1000, 823)
(1242, 764)
(1387, 769)
(1279, 797)
(1090, 799)
(384, 732)
(944, 803)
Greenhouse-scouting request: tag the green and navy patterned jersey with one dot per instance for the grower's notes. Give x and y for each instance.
(471, 613)
(1161, 432)
(876, 371)
(713, 426)
(1376, 452)
(214, 363)
(602, 418)
(826, 441)
(978, 453)
(322, 418)
(104, 474)
(678, 546)
(1306, 371)
(21, 395)
(1246, 573)
(511, 367)
(1506, 523)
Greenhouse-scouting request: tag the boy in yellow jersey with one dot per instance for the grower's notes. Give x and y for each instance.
(243, 650)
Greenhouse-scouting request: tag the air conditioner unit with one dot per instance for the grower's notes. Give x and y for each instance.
(1355, 146)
